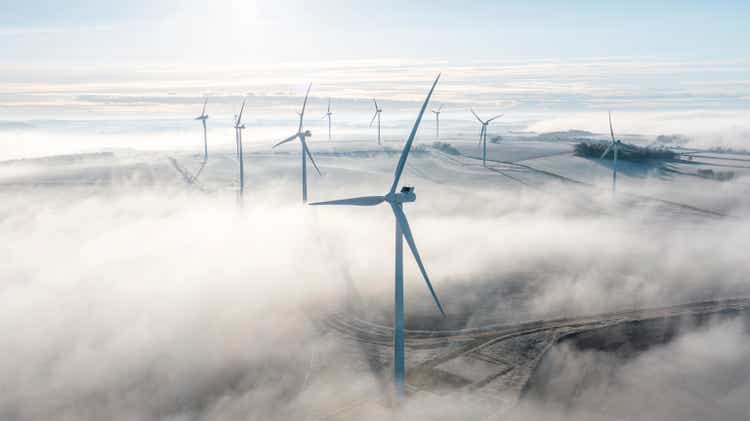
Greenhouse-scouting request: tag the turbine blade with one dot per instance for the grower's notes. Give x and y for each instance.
(376, 104)
(309, 155)
(304, 105)
(204, 107)
(288, 139)
(242, 109)
(478, 119)
(605, 152)
(440, 108)
(354, 201)
(373, 118)
(497, 116)
(407, 146)
(401, 218)
(329, 104)
(611, 131)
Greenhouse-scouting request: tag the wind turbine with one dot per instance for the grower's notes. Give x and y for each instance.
(238, 128)
(395, 200)
(437, 121)
(378, 110)
(328, 116)
(483, 135)
(203, 117)
(615, 146)
(301, 135)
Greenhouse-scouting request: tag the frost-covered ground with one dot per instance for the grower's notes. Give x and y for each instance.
(132, 294)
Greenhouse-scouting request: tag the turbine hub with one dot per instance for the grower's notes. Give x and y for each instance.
(405, 195)
(307, 133)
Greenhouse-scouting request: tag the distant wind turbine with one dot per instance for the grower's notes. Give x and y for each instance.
(437, 121)
(328, 116)
(378, 110)
(203, 117)
(395, 200)
(483, 135)
(238, 128)
(615, 146)
(301, 135)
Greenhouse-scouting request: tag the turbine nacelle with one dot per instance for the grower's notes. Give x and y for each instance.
(306, 133)
(404, 196)
(203, 115)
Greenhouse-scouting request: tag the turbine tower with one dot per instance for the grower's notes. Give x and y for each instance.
(203, 117)
(395, 200)
(378, 110)
(483, 135)
(238, 128)
(301, 135)
(615, 146)
(328, 116)
(437, 122)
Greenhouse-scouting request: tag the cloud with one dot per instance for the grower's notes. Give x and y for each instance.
(634, 84)
(708, 127)
(699, 375)
(22, 31)
(131, 298)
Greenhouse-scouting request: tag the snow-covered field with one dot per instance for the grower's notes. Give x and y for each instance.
(115, 266)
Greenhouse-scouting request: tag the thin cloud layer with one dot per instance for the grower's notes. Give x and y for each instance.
(153, 303)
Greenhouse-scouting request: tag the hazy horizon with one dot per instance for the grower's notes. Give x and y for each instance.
(154, 271)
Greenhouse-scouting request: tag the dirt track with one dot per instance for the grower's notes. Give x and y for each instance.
(496, 361)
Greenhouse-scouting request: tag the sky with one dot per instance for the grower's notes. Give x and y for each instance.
(157, 59)
(264, 32)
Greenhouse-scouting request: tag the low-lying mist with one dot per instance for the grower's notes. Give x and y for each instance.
(132, 303)
(699, 375)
